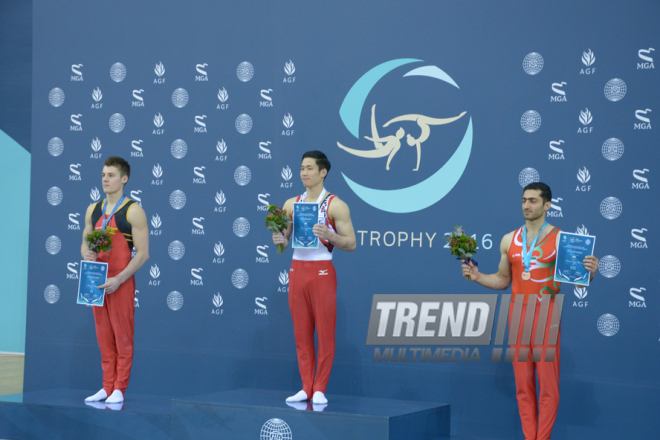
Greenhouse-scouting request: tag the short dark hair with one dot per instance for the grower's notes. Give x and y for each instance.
(321, 159)
(546, 192)
(119, 163)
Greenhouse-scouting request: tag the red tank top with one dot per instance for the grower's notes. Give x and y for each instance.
(542, 267)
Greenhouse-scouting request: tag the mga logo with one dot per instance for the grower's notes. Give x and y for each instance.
(558, 152)
(261, 307)
(135, 195)
(646, 122)
(138, 100)
(638, 300)
(203, 76)
(265, 151)
(75, 173)
(200, 179)
(647, 60)
(387, 143)
(77, 74)
(263, 256)
(263, 201)
(641, 240)
(560, 93)
(585, 118)
(72, 269)
(198, 227)
(77, 124)
(643, 182)
(555, 209)
(197, 278)
(74, 223)
(201, 125)
(267, 100)
(159, 70)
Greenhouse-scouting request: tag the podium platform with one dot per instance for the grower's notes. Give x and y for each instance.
(62, 414)
(249, 414)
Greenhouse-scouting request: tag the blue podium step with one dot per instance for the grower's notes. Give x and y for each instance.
(63, 415)
(264, 415)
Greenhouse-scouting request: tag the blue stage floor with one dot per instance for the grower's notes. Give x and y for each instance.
(237, 414)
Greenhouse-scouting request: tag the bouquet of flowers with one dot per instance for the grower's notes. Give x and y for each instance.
(277, 221)
(100, 240)
(462, 246)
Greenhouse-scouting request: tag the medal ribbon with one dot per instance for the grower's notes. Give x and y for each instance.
(106, 222)
(527, 255)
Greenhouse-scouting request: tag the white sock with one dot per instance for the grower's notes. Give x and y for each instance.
(115, 397)
(101, 395)
(319, 398)
(300, 396)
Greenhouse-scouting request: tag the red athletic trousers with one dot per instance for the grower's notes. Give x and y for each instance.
(114, 331)
(313, 304)
(537, 415)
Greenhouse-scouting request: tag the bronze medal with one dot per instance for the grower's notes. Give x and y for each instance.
(526, 276)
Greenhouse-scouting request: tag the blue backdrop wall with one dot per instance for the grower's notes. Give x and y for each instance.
(213, 105)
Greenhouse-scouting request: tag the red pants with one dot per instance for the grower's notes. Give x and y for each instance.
(313, 303)
(537, 415)
(114, 332)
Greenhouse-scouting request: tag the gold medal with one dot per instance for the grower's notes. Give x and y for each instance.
(526, 276)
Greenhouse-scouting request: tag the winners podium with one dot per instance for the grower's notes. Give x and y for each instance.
(245, 414)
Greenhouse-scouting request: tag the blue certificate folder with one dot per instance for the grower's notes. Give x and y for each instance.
(570, 254)
(305, 216)
(92, 275)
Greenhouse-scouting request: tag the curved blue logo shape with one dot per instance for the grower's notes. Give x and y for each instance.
(423, 194)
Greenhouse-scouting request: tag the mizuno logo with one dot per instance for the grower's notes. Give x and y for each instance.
(323, 272)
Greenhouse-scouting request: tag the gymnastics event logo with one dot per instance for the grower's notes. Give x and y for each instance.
(422, 194)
